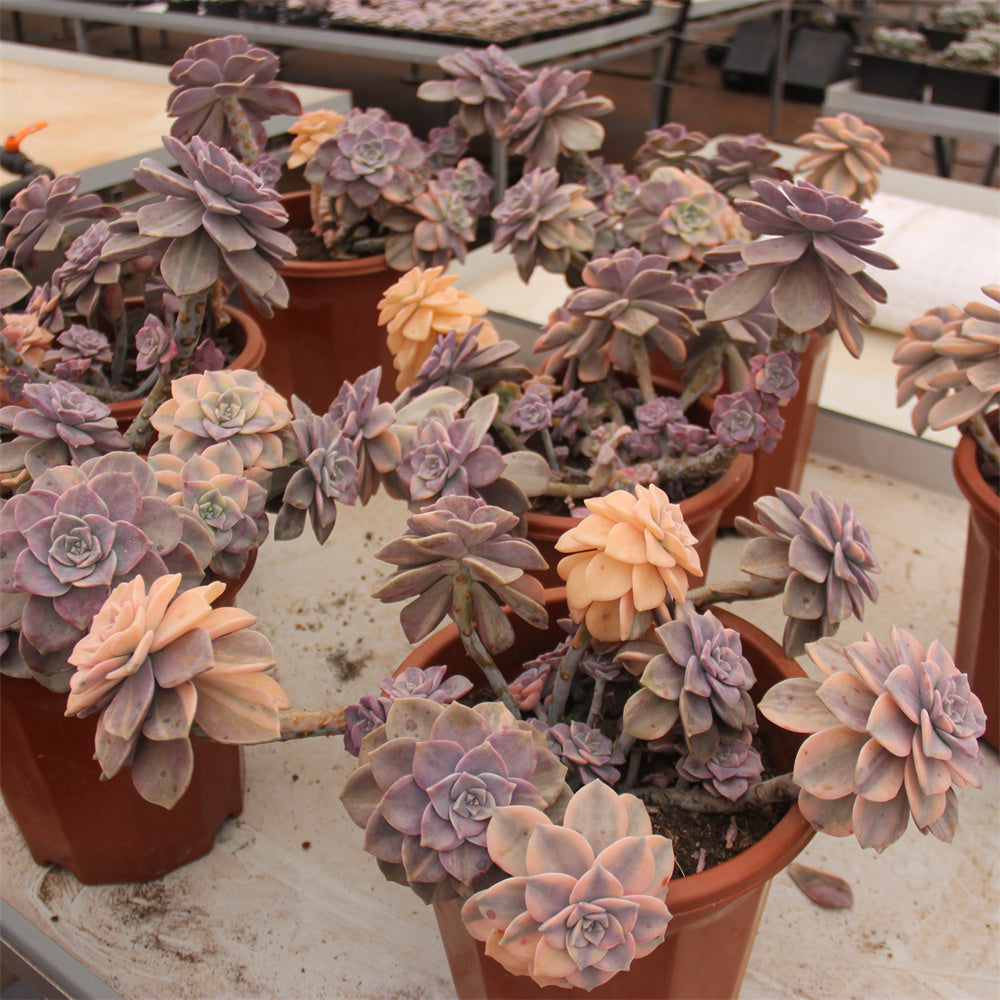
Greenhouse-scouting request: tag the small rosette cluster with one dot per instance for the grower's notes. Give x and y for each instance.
(628, 555)
(584, 899)
(894, 731)
(429, 781)
(159, 660)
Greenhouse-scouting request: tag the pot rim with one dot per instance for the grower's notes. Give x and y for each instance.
(750, 868)
(715, 497)
(965, 469)
(293, 268)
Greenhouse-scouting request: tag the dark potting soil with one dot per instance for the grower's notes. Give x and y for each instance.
(720, 836)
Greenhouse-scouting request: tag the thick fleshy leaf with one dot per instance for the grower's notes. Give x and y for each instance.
(793, 705)
(508, 834)
(826, 762)
(234, 712)
(826, 890)
(161, 771)
(879, 824)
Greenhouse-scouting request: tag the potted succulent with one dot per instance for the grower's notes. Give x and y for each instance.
(951, 21)
(684, 201)
(892, 64)
(539, 836)
(378, 199)
(948, 366)
(86, 519)
(965, 75)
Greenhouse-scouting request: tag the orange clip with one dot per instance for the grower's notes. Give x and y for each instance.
(13, 142)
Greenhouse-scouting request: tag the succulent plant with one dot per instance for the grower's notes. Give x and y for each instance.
(736, 163)
(235, 406)
(844, 155)
(25, 333)
(552, 116)
(446, 145)
(824, 556)
(628, 554)
(368, 424)
(215, 220)
(670, 145)
(224, 91)
(434, 227)
(894, 732)
(76, 534)
(311, 130)
(82, 278)
(466, 364)
(586, 898)
(626, 297)
(429, 781)
(40, 212)
(329, 474)
(420, 307)
(814, 264)
(901, 43)
(588, 754)
(156, 661)
(60, 425)
(367, 165)
(967, 54)
(81, 343)
(697, 676)
(460, 544)
(544, 222)
(486, 82)
(746, 420)
(362, 718)
(226, 497)
(949, 361)
(155, 347)
(729, 772)
(468, 179)
(680, 215)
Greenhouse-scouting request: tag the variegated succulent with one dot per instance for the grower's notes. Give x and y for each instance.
(893, 733)
(158, 660)
(845, 155)
(822, 556)
(628, 555)
(814, 266)
(585, 898)
(429, 781)
(76, 534)
(224, 91)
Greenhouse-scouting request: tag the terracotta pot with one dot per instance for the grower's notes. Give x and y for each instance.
(104, 831)
(714, 915)
(702, 514)
(978, 637)
(329, 333)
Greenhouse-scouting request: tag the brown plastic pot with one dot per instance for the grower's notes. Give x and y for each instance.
(714, 915)
(329, 333)
(104, 832)
(978, 637)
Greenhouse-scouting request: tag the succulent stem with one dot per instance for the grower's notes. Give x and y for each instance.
(594, 715)
(717, 459)
(550, 451)
(186, 335)
(988, 444)
(634, 762)
(567, 669)
(299, 725)
(764, 793)
(466, 622)
(12, 358)
(705, 371)
(239, 124)
(735, 590)
(642, 373)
